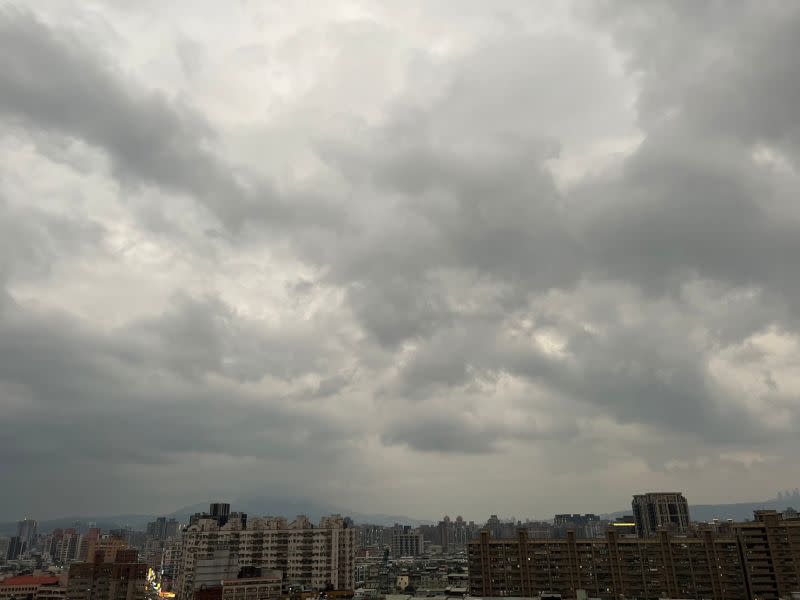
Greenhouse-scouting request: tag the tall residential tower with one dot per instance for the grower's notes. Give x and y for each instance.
(660, 510)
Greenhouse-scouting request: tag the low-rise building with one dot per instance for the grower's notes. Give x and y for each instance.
(36, 587)
(264, 587)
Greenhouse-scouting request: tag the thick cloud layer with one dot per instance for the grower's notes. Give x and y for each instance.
(416, 258)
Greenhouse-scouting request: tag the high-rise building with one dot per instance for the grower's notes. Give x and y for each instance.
(219, 512)
(770, 546)
(758, 561)
(451, 535)
(109, 545)
(588, 525)
(124, 579)
(26, 530)
(499, 528)
(4, 544)
(91, 537)
(311, 557)
(66, 547)
(371, 536)
(406, 541)
(211, 569)
(170, 563)
(15, 548)
(660, 510)
(163, 528)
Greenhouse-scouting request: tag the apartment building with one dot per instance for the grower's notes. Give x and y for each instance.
(407, 541)
(266, 586)
(770, 546)
(660, 510)
(761, 561)
(171, 560)
(65, 545)
(124, 579)
(313, 557)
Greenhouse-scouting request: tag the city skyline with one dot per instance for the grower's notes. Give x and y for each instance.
(396, 257)
(784, 499)
(225, 554)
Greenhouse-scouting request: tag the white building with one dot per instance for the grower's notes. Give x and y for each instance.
(309, 557)
(212, 569)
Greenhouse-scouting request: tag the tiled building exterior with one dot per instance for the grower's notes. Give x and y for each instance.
(761, 561)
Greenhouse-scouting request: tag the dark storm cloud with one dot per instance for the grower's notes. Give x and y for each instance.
(471, 210)
(706, 196)
(449, 434)
(200, 336)
(122, 398)
(728, 69)
(685, 207)
(643, 373)
(690, 204)
(639, 310)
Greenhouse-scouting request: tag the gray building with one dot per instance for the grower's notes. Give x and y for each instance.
(406, 541)
(26, 530)
(660, 510)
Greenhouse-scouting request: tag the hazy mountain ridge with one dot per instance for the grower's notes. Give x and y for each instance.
(254, 507)
(103, 522)
(289, 508)
(738, 511)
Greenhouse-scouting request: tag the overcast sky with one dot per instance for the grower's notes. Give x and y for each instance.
(417, 257)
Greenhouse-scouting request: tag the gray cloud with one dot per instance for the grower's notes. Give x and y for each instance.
(426, 241)
(114, 400)
(151, 139)
(32, 239)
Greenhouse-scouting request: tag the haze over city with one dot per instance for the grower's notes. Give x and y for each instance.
(406, 258)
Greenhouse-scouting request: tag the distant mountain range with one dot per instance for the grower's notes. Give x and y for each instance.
(103, 522)
(739, 511)
(290, 508)
(254, 506)
(259, 506)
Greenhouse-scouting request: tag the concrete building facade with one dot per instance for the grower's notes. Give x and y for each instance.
(660, 510)
(407, 541)
(67, 545)
(26, 530)
(264, 587)
(124, 579)
(760, 561)
(313, 557)
(36, 587)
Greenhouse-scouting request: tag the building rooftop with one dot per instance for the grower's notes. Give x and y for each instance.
(30, 580)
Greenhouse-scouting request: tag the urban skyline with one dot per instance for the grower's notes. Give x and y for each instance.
(159, 524)
(221, 553)
(785, 496)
